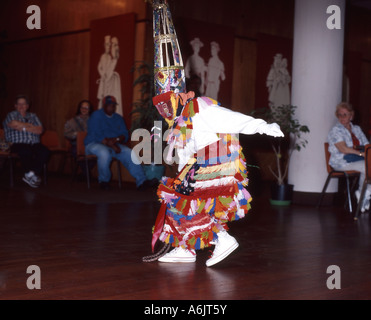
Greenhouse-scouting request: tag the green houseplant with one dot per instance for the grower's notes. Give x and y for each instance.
(283, 148)
(144, 115)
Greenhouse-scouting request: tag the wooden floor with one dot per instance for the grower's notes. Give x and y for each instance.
(93, 249)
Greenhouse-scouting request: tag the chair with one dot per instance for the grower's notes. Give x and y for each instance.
(337, 174)
(367, 178)
(82, 157)
(50, 139)
(10, 157)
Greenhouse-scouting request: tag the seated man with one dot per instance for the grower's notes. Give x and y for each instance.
(106, 136)
(23, 130)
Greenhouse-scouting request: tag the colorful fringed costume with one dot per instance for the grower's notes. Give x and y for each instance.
(209, 190)
(205, 196)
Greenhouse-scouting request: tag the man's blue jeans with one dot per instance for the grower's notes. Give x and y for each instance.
(105, 155)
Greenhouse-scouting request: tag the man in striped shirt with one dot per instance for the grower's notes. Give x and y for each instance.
(23, 130)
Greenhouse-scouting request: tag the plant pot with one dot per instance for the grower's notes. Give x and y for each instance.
(154, 171)
(281, 194)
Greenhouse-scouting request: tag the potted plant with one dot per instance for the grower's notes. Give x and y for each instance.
(284, 116)
(144, 115)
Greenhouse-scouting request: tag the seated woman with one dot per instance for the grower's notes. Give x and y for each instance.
(345, 145)
(78, 123)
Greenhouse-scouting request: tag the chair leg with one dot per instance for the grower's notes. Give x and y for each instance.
(74, 170)
(45, 174)
(354, 183)
(73, 161)
(119, 173)
(63, 162)
(87, 172)
(11, 172)
(348, 193)
(323, 191)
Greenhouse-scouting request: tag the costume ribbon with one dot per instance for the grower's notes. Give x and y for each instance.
(160, 220)
(158, 225)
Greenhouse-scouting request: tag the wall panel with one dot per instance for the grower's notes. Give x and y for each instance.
(244, 71)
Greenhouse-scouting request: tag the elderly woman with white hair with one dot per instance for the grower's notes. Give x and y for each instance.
(346, 145)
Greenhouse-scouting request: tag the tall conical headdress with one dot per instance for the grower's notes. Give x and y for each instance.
(168, 62)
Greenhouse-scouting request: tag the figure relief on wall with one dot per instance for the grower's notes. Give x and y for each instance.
(210, 73)
(278, 81)
(109, 82)
(195, 64)
(215, 72)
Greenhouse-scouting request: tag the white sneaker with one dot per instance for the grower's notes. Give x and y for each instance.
(36, 179)
(31, 179)
(179, 254)
(366, 200)
(367, 205)
(225, 245)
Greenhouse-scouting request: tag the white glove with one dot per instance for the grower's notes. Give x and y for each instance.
(272, 129)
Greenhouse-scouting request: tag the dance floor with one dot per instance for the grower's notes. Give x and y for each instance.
(89, 244)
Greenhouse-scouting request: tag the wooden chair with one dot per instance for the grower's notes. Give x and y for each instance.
(337, 174)
(82, 157)
(10, 158)
(367, 178)
(51, 140)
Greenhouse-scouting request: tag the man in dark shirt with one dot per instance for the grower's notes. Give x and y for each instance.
(106, 138)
